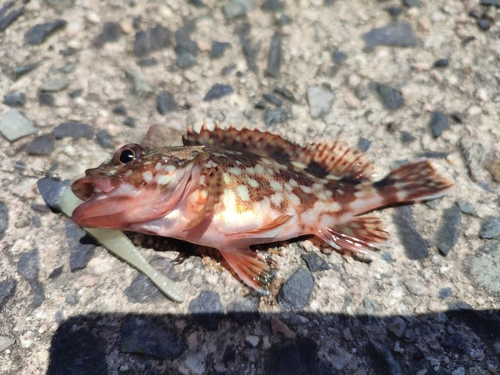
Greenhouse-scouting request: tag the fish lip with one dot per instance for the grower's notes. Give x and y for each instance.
(86, 187)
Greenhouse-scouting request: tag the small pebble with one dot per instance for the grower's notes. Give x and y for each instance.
(9, 18)
(272, 99)
(274, 57)
(42, 145)
(339, 57)
(414, 287)
(449, 230)
(273, 117)
(467, 208)
(152, 39)
(217, 91)
(363, 144)
(252, 340)
(320, 100)
(397, 326)
(272, 6)
(29, 266)
(165, 103)
(237, 8)
(120, 110)
(445, 293)
(407, 137)
(130, 122)
(55, 85)
(14, 125)
(490, 227)
(249, 54)
(46, 99)
(104, 139)
(111, 32)
(397, 34)
(391, 98)
(416, 247)
(441, 63)
(7, 289)
(81, 246)
(296, 292)
(314, 262)
(15, 99)
(439, 122)
(38, 33)
(73, 129)
(206, 310)
(140, 86)
(218, 49)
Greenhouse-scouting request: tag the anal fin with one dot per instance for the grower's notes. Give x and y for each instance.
(250, 267)
(359, 235)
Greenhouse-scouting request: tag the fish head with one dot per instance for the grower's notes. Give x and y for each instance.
(135, 187)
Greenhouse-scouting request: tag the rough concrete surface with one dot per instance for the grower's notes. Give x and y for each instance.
(374, 72)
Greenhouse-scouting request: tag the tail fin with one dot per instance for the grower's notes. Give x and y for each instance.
(417, 180)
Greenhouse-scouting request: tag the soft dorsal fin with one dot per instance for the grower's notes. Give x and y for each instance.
(318, 159)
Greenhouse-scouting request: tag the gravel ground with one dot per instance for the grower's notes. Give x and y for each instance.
(399, 81)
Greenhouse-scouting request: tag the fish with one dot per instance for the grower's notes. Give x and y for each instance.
(230, 189)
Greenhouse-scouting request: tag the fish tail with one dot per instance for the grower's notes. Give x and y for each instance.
(417, 180)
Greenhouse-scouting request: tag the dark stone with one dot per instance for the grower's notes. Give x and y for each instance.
(38, 33)
(495, 3)
(315, 263)
(249, 54)
(441, 63)
(81, 246)
(339, 57)
(4, 219)
(439, 122)
(467, 208)
(165, 103)
(73, 129)
(364, 144)
(433, 155)
(218, 49)
(111, 32)
(228, 69)
(15, 99)
(455, 342)
(390, 98)
(51, 189)
(75, 94)
(35, 221)
(7, 290)
(185, 61)
(286, 94)
(129, 121)
(490, 227)
(416, 247)
(397, 34)
(274, 59)
(383, 360)
(411, 3)
(29, 266)
(207, 310)
(21, 70)
(474, 13)
(457, 117)
(142, 290)
(449, 230)
(5, 21)
(261, 104)
(41, 145)
(272, 6)
(197, 3)
(217, 91)
(56, 272)
(275, 116)
(152, 39)
(120, 110)
(244, 309)
(147, 62)
(445, 293)
(296, 292)
(77, 350)
(484, 24)
(292, 358)
(187, 47)
(104, 139)
(394, 11)
(283, 20)
(46, 99)
(6, 7)
(272, 99)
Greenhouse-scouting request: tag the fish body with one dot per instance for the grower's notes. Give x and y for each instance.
(230, 189)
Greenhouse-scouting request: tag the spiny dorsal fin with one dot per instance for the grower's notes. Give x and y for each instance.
(318, 159)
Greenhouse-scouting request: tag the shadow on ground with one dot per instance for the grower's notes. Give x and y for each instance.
(324, 344)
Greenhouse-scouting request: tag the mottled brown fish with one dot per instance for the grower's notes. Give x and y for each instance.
(230, 189)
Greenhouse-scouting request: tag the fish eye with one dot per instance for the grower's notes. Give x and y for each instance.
(127, 154)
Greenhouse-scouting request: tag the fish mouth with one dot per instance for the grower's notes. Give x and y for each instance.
(86, 187)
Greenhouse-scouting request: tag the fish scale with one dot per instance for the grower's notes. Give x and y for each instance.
(230, 189)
